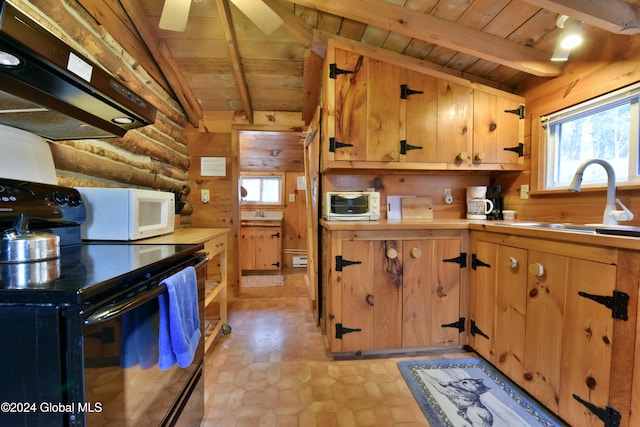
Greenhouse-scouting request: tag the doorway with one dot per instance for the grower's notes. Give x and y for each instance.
(272, 154)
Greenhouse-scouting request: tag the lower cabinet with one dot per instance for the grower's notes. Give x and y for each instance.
(260, 247)
(391, 290)
(548, 314)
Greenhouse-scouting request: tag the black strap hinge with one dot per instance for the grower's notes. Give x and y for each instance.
(462, 260)
(518, 149)
(459, 325)
(405, 92)
(476, 262)
(618, 303)
(334, 145)
(404, 147)
(475, 330)
(334, 71)
(518, 111)
(609, 416)
(344, 262)
(341, 330)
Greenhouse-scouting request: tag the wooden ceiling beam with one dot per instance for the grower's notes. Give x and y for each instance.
(614, 16)
(292, 24)
(166, 61)
(421, 26)
(234, 57)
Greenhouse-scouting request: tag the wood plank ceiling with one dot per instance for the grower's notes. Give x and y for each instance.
(224, 62)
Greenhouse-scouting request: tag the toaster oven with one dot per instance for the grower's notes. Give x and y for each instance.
(351, 205)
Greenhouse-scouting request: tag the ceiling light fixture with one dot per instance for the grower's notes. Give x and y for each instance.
(570, 37)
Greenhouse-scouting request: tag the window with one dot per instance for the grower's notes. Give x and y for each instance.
(605, 128)
(261, 189)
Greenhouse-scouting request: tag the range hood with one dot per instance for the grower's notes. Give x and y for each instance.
(51, 90)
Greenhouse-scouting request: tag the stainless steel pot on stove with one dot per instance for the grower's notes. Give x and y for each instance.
(19, 244)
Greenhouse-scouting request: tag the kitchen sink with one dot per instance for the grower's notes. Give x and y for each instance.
(623, 230)
(261, 215)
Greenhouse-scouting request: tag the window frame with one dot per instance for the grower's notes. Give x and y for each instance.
(548, 160)
(280, 175)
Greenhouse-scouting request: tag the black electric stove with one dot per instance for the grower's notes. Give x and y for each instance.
(85, 271)
(69, 325)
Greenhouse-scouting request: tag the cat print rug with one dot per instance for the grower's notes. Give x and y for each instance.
(471, 393)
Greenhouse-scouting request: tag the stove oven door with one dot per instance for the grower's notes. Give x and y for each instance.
(123, 384)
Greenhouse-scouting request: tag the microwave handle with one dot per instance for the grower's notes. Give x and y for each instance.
(118, 307)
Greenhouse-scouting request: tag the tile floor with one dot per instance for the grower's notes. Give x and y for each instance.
(272, 370)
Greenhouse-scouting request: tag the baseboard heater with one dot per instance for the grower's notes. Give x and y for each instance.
(299, 261)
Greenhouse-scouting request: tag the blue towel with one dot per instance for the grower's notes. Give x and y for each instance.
(179, 320)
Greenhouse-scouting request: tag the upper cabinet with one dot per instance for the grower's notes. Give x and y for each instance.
(381, 115)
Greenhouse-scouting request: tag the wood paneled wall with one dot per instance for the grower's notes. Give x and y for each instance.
(423, 184)
(222, 208)
(584, 79)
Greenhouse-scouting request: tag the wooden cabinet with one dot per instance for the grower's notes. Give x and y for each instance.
(215, 301)
(541, 311)
(393, 290)
(367, 105)
(382, 115)
(260, 246)
(498, 129)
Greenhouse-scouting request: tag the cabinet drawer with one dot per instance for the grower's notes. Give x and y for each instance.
(216, 245)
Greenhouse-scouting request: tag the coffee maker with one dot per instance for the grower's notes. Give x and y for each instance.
(494, 193)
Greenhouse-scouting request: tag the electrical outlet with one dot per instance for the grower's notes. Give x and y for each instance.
(204, 196)
(524, 192)
(292, 197)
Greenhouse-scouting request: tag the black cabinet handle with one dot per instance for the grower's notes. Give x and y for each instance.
(276, 235)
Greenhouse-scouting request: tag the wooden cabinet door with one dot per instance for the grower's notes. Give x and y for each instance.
(483, 296)
(367, 109)
(421, 118)
(350, 106)
(267, 248)
(247, 248)
(587, 341)
(371, 312)
(546, 286)
(431, 294)
(387, 294)
(510, 306)
(495, 129)
(383, 112)
(455, 119)
(354, 330)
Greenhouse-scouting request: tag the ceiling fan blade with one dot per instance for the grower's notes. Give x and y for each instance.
(174, 15)
(260, 14)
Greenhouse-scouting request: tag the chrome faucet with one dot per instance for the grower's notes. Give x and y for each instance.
(611, 214)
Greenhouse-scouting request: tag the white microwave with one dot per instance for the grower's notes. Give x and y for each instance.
(351, 205)
(126, 213)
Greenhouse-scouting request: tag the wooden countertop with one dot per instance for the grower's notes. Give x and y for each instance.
(622, 242)
(187, 236)
(385, 224)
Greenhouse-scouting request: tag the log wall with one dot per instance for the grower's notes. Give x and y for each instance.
(152, 157)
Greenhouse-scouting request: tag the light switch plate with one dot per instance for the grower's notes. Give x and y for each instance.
(524, 192)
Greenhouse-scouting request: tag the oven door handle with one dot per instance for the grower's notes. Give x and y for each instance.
(116, 308)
